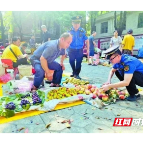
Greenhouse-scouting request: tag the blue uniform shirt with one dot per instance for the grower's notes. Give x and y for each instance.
(78, 38)
(140, 52)
(49, 51)
(129, 65)
(91, 39)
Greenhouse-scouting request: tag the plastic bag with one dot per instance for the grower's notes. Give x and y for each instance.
(21, 86)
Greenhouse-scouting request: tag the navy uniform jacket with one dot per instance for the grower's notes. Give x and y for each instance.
(49, 50)
(79, 37)
(128, 65)
(140, 52)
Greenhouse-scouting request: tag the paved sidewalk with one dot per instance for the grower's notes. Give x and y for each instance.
(94, 121)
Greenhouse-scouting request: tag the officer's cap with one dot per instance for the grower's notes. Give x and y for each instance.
(109, 52)
(76, 19)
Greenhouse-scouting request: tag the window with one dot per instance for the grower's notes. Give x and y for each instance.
(140, 20)
(104, 27)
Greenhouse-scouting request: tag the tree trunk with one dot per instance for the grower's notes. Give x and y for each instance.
(121, 20)
(115, 22)
(57, 29)
(2, 28)
(19, 25)
(120, 24)
(92, 22)
(83, 22)
(124, 20)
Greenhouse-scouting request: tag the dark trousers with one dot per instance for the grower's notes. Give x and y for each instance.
(22, 61)
(40, 73)
(139, 57)
(137, 79)
(126, 51)
(75, 60)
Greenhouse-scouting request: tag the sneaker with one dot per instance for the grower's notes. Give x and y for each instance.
(138, 96)
(130, 98)
(55, 85)
(77, 77)
(72, 75)
(48, 82)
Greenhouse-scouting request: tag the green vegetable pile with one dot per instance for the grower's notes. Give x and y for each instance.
(9, 105)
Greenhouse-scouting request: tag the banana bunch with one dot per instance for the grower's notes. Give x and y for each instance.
(75, 81)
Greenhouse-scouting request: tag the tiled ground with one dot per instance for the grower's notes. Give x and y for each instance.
(94, 121)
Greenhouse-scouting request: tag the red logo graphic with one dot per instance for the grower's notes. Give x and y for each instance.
(122, 122)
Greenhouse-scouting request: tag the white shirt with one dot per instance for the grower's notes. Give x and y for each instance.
(116, 41)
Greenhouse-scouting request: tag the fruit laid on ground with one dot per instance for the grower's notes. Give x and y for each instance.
(94, 96)
(126, 94)
(100, 92)
(88, 89)
(36, 99)
(113, 93)
(92, 89)
(63, 92)
(25, 96)
(105, 98)
(25, 104)
(100, 96)
(10, 106)
(123, 92)
(93, 86)
(87, 92)
(75, 81)
(89, 86)
(122, 97)
(96, 91)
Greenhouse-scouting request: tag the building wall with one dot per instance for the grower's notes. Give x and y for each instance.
(131, 22)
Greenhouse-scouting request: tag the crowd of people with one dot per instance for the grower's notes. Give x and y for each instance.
(128, 69)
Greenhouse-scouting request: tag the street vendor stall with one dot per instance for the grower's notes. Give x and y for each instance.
(18, 102)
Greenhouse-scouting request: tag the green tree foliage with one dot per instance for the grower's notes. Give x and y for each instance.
(120, 21)
(92, 19)
(7, 19)
(19, 17)
(57, 22)
(2, 28)
(91, 23)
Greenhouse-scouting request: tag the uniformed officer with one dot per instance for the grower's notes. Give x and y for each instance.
(129, 71)
(43, 60)
(75, 50)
